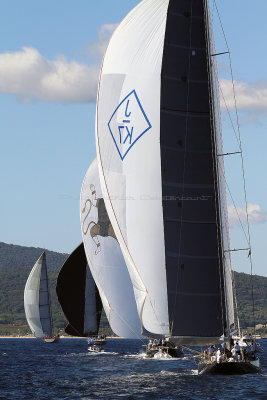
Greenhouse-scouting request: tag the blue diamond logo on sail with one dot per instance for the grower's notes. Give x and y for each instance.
(128, 123)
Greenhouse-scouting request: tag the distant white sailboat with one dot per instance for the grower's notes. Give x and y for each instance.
(37, 302)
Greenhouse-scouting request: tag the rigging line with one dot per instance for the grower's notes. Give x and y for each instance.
(242, 162)
(184, 168)
(229, 116)
(212, 10)
(192, 350)
(128, 325)
(222, 169)
(236, 306)
(230, 193)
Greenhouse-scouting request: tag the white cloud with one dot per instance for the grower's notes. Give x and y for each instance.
(97, 49)
(255, 214)
(30, 76)
(251, 97)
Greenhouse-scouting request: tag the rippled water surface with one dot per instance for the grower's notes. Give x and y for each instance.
(31, 369)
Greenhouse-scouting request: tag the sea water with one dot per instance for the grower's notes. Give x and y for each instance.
(31, 369)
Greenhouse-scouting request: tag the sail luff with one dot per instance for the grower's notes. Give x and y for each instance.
(215, 123)
(44, 300)
(224, 224)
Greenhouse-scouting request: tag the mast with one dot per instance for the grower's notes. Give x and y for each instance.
(216, 167)
(225, 270)
(44, 299)
(49, 295)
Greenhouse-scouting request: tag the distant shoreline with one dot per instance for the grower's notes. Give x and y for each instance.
(75, 337)
(61, 337)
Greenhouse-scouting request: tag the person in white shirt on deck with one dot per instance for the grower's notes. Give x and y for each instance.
(218, 356)
(233, 351)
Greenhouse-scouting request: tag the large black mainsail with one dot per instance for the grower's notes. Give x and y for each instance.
(191, 213)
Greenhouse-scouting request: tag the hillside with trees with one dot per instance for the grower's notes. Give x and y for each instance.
(16, 263)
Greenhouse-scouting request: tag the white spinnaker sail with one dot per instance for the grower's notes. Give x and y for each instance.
(128, 129)
(106, 261)
(36, 300)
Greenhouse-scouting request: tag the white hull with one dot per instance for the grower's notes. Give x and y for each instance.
(95, 349)
(51, 340)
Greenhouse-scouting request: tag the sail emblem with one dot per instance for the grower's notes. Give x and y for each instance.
(103, 226)
(128, 123)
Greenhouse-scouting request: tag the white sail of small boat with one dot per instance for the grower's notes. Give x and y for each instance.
(159, 147)
(37, 301)
(105, 259)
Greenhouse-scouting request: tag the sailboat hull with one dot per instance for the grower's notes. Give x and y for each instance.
(230, 368)
(51, 340)
(174, 352)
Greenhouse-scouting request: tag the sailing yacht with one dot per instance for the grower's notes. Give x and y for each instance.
(37, 302)
(79, 298)
(95, 278)
(161, 166)
(105, 259)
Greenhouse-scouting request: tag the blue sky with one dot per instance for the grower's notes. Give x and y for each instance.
(50, 53)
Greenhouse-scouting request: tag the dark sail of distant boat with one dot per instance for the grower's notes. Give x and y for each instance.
(78, 295)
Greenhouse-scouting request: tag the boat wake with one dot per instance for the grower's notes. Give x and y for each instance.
(99, 353)
(179, 372)
(139, 355)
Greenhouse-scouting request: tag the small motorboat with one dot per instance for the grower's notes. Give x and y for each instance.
(95, 349)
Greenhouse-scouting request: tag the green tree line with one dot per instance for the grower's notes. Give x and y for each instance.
(16, 263)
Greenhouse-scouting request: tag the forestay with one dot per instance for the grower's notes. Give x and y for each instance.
(36, 300)
(157, 152)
